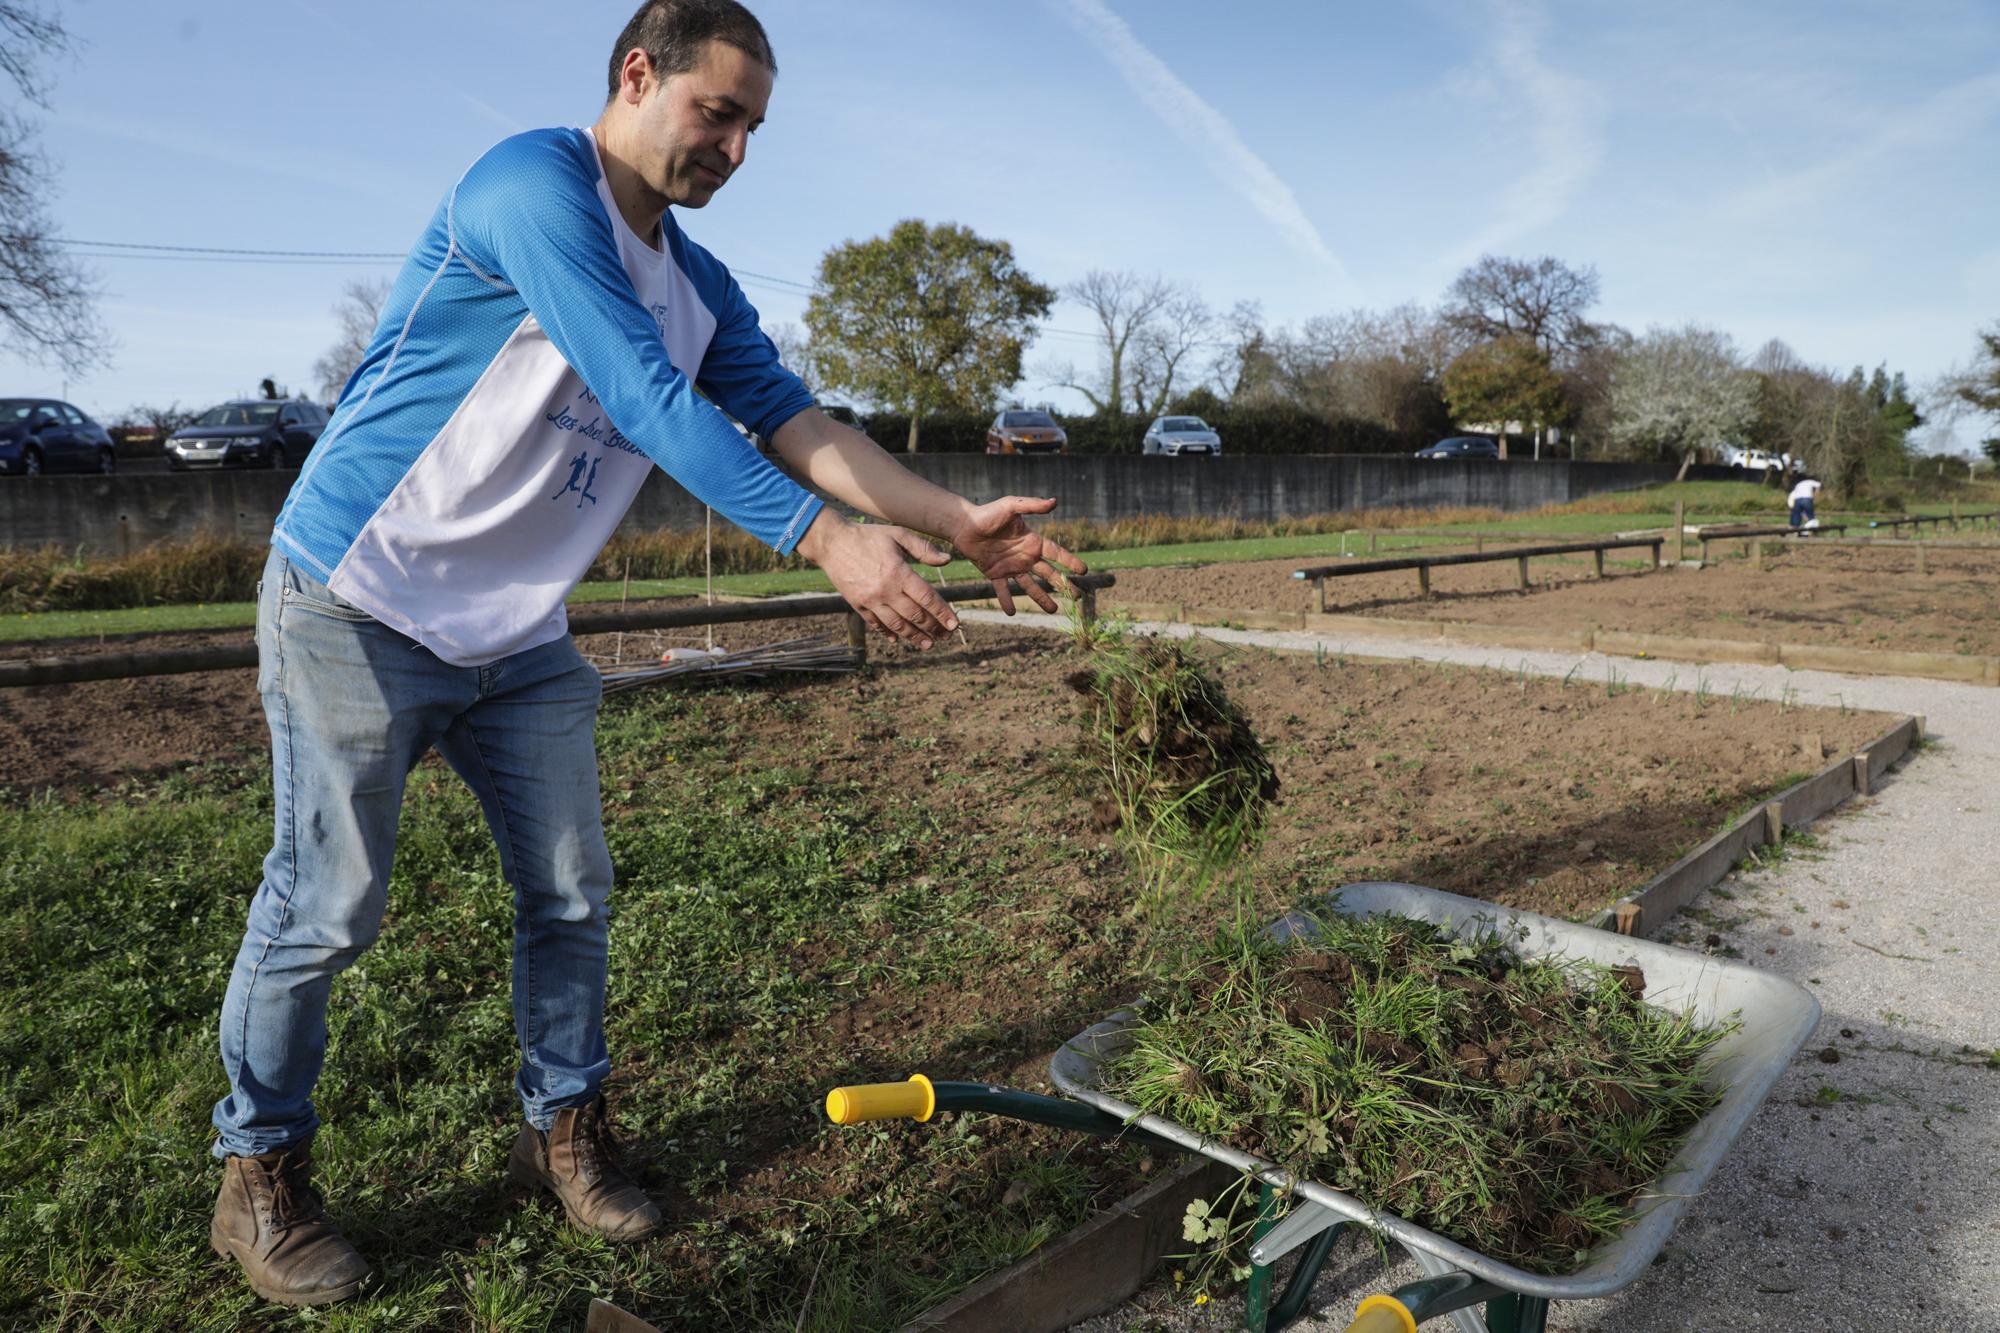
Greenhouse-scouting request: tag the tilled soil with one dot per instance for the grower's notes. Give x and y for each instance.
(1554, 797)
(1838, 596)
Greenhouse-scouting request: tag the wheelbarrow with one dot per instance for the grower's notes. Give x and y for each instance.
(1774, 1016)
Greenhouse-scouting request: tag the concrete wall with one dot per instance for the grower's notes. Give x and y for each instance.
(124, 512)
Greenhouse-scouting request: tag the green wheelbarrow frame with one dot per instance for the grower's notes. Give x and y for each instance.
(1774, 1017)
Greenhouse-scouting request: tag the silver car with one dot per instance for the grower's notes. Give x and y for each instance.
(1181, 435)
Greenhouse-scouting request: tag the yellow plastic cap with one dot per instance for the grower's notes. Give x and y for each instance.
(851, 1105)
(1382, 1314)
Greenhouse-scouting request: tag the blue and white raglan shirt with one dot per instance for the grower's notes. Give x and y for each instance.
(472, 471)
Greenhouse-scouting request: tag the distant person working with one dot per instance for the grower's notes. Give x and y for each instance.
(539, 356)
(1802, 504)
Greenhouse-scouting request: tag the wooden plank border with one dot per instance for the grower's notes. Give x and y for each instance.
(1091, 1269)
(1964, 668)
(1646, 910)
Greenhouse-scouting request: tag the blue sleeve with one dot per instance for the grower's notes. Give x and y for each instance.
(741, 370)
(527, 216)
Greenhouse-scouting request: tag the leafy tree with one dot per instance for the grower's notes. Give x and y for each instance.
(925, 318)
(1544, 300)
(1678, 391)
(1504, 381)
(359, 310)
(1976, 389)
(48, 302)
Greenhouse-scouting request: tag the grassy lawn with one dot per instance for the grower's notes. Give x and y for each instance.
(756, 905)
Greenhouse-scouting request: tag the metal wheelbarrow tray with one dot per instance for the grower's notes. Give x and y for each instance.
(1775, 1018)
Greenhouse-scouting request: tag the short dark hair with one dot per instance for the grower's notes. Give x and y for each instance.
(674, 33)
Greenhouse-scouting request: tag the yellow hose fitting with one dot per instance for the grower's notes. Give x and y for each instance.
(1382, 1314)
(851, 1105)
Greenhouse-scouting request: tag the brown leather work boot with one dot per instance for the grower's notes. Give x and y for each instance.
(577, 1160)
(269, 1219)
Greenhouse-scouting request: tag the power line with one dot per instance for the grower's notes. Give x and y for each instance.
(229, 250)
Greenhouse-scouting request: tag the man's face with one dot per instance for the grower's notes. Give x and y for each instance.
(693, 129)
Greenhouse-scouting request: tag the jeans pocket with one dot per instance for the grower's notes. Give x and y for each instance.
(308, 594)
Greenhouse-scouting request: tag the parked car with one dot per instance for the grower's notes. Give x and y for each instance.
(250, 432)
(1181, 435)
(1754, 459)
(1462, 446)
(43, 435)
(1019, 431)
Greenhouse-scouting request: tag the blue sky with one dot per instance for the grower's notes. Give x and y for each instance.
(1823, 172)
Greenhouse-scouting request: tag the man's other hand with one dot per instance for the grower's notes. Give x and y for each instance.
(869, 566)
(996, 538)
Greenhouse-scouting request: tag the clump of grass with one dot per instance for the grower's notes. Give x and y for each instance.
(1184, 781)
(1514, 1105)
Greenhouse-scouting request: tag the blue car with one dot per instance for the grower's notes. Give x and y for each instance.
(1462, 446)
(40, 435)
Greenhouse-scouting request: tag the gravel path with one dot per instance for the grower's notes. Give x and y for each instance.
(1866, 1193)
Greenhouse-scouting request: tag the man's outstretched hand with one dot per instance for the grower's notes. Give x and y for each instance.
(869, 566)
(995, 538)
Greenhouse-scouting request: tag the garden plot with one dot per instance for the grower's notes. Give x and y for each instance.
(1834, 596)
(834, 880)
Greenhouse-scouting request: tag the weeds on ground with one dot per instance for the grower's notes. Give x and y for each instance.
(1516, 1106)
(1182, 779)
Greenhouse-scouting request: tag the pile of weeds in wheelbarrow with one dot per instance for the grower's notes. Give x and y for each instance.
(1181, 777)
(1516, 1106)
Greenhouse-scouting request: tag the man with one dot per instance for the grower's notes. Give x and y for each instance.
(1802, 497)
(414, 596)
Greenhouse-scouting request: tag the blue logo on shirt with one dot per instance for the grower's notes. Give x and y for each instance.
(576, 476)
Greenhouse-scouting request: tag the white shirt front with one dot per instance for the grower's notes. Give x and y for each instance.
(1805, 490)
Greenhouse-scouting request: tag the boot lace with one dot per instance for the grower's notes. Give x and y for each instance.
(293, 1199)
(596, 1145)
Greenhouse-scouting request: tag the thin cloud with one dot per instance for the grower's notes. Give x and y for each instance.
(1949, 117)
(1200, 126)
(333, 171)
(488, 111)
(1563, 130)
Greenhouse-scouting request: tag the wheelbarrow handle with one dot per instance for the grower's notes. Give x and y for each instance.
(1382, 1314)
(920, 1099)
(858, 1102)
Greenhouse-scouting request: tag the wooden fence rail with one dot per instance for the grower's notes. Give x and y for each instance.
(1423, 564)
(226, 657)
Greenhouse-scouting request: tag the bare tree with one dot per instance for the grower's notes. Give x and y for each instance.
(1543, 299)
(159, 422)
(1123, 304)
(1381, 366)
(1678, 391)
(48, 301)
(1244, 368)
(795, 354)
(1586, 377)
(1161, 348)
(359, 310)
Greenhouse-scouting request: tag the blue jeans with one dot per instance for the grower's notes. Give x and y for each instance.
(352, 706)
(1802, 512)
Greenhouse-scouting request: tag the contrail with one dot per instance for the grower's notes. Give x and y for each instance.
(1200, 126)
